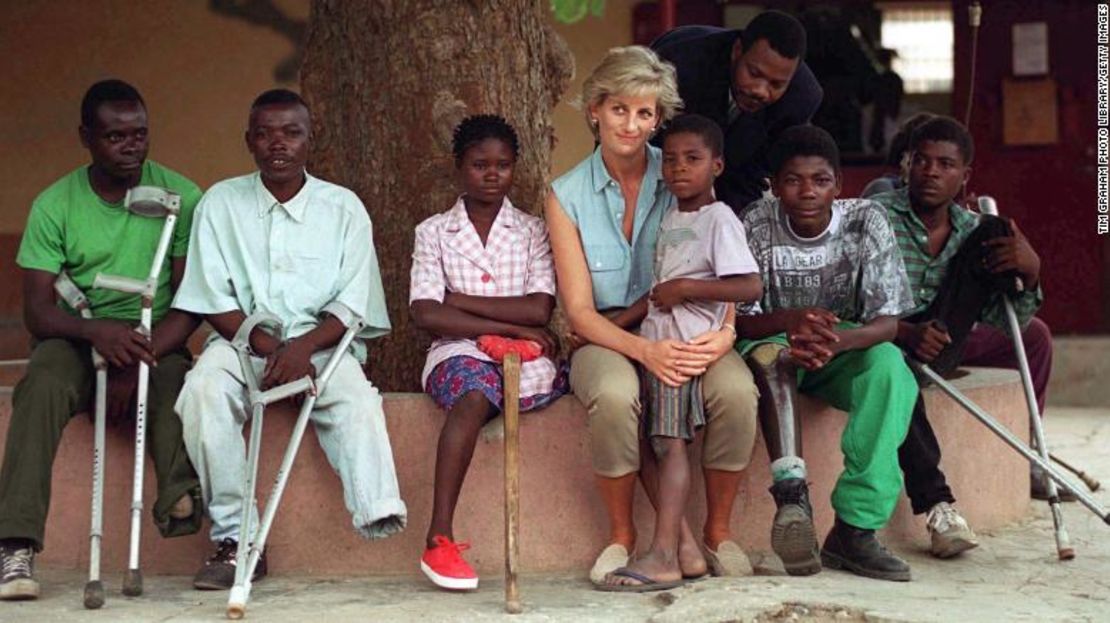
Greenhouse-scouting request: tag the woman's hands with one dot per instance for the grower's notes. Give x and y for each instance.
(675, 362)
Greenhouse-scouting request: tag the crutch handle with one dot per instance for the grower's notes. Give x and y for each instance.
(126, 285)
(281, 392)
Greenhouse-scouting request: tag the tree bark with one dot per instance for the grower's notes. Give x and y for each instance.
(387, 82)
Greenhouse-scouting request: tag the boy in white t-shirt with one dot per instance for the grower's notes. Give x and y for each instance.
(702, 269)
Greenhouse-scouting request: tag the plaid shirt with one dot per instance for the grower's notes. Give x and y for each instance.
(515, 261)
(926, 272)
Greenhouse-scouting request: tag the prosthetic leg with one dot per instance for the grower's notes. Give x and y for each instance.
(252, 541)
(150, 202)
(777, 379)
(793, 537)
(94, 589)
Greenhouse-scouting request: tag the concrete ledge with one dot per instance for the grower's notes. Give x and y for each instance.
(563, 524)
(1080, 370)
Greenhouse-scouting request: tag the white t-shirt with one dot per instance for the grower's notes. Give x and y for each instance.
(707, 244)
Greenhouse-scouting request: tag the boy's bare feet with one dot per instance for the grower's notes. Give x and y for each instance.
(690, 557)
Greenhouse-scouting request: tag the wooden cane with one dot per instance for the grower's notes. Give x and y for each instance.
(511, 366)
(1092, 483)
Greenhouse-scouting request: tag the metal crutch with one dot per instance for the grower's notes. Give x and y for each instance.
(1011, 440)
(150, 202)
(1064, 550)
(94, 589)
(252, 542)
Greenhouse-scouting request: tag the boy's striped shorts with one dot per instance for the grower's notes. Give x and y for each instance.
(676, 412)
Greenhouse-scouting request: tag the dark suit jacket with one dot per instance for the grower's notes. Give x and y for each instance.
(701, 54)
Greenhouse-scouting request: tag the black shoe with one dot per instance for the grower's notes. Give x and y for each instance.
(218, 572)
(792, 535)
(1038, 488)
(860, 552)
(17, 571)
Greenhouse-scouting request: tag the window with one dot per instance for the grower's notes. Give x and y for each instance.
(921, 34)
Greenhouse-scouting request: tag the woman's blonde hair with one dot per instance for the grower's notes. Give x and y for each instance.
(632, 70)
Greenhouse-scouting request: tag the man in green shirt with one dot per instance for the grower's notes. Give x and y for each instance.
(79, 225)
(960, 265)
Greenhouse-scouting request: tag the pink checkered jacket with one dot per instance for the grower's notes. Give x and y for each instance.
(515, 261)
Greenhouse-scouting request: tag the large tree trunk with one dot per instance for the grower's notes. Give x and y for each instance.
(387, 81)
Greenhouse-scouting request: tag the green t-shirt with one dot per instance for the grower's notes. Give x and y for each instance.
(71, 228)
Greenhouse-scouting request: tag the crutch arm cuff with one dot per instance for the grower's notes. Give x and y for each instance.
(242, 337)
(343, 314)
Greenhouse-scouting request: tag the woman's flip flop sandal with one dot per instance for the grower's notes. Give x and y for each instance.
(646, 584)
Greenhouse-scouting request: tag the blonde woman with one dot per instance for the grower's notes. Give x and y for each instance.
(603, 218)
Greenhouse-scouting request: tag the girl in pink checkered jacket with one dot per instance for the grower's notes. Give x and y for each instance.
(481, 268)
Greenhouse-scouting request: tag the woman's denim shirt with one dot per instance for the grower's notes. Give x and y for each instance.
(621, 272)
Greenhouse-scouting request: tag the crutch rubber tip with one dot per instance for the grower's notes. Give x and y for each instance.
(94, 595)
(1066, 553)
(236, 611)
(513, 607)
(133, 583)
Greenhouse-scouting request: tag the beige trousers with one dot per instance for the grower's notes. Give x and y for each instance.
(608, 384)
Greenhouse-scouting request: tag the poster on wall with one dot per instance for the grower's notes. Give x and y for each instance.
(1030, 49)
(1029, 112)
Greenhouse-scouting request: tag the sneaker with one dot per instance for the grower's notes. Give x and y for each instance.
(445, 566)
(17, 572)
(949, 531)
(218, 572)
(793, 537)
(859, 551)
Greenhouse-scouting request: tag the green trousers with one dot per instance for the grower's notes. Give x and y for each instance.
(61, 381)
(877, 390)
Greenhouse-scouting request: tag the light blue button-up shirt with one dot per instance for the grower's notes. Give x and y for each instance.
(252, 253)
(621, 272)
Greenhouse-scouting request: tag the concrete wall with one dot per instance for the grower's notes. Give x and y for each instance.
(198, 71)
(589, 40)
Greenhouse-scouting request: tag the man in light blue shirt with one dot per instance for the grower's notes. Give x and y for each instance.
(284, 242)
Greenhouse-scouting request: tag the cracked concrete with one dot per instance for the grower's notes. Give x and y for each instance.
(1013, 576)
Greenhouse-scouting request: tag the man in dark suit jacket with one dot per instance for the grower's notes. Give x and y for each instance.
(754, 84)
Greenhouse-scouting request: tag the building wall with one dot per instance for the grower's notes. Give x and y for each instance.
(1049, 190)
(197, 70)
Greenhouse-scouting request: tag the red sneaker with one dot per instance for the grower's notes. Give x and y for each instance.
(445, 566)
